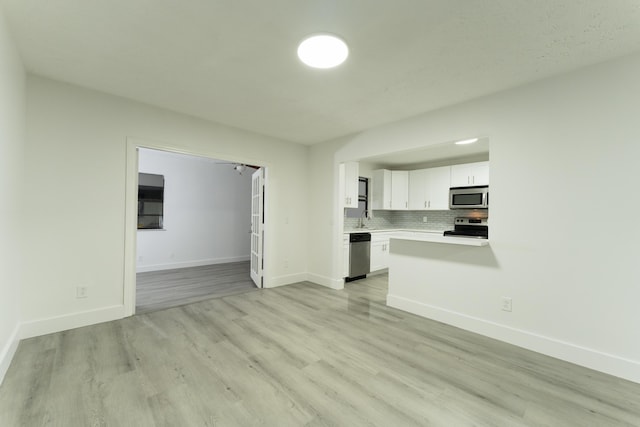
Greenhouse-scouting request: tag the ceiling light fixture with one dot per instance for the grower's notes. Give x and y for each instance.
(323, 51)
(467, 141)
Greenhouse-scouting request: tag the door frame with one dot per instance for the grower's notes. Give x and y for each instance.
(257, 228)
(131, 207)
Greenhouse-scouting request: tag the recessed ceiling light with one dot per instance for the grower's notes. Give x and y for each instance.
(323, 51)
(467, 141)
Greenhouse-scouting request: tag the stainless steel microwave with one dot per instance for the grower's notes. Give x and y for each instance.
(469, 197)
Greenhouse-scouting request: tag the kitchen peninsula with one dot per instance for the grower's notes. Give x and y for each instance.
(442, 277)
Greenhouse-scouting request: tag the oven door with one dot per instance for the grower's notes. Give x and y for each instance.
(469, 198)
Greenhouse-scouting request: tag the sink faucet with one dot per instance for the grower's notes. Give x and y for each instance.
(361, 219)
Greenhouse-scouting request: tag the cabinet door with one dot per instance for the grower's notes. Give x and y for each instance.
(381, 189)
(470, 174)
(438, 184)
(377, 256)
(481, 173)
(461, 175)
(351, 172)
(418, 183)
(399, 190)
(379, 252)
(345, 258)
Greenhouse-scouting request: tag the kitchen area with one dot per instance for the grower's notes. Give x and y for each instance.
(436, 196)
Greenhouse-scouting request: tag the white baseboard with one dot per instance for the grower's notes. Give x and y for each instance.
(325, 281)
(65, 322)
(285, 280)
(8, 351)
(590, 358)
(186, 264)
(375, 273)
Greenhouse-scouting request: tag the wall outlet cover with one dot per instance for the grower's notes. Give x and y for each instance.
(82, 292)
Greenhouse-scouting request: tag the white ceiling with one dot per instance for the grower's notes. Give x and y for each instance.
(432, 154)
(234, 61)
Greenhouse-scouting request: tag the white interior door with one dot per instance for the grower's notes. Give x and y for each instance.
(257, 226)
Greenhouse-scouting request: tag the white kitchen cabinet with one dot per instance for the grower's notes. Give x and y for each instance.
(381, 189)
(345, 255)
(351, 172)
(439, 182)
(418, 189)
(470, 174)
(379, 251)
(399, 190)
(429, 188)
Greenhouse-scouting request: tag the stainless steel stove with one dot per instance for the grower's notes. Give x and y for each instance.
(470, 227)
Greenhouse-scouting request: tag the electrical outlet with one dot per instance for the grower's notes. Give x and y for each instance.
(424, 219)
(82, 292)
(140, 258)
(507, 304)
(286, 263)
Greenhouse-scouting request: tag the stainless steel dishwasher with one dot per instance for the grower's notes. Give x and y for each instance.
(359, 256)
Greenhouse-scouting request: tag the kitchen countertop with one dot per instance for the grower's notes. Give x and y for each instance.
(390, 230)
(439, 238)
(421, 235)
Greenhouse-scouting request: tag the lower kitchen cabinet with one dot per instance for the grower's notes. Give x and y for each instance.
(379, 251)
(345, 255)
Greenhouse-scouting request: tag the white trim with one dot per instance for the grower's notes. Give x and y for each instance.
(381, 271)
(288, 279)
(587, 357)
(186, 264)
(9, 350)
(65, 322)
(131, 204)
(325, 281)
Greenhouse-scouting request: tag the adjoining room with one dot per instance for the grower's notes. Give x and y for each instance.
(194, 229)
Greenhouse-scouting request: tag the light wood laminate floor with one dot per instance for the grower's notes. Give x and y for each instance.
(157, 290)
(299, 355)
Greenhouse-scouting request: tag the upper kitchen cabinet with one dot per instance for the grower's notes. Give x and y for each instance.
(468, 174)
(350, 171)
(429, 188)
(381, 189)
(418, 189)
(399, 190)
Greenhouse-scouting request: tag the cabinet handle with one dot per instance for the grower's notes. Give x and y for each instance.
(425, 204)
(406, 204)
(429, 203)
(473, 179)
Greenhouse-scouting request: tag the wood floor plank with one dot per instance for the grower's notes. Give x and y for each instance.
(299, 355)
(158, 290)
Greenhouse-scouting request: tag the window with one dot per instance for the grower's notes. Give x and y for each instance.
(150, 201)
(363, 199)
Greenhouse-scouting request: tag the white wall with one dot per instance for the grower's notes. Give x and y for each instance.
(12, 81)
(75, 161)
(564, 178)
(207, 213)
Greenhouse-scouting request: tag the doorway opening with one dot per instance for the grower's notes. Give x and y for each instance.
(207, 238)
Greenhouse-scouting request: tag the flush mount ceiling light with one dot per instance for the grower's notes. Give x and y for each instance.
(323, 51)
(466, 141)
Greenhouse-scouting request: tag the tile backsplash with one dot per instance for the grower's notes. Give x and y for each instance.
(436, 220)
